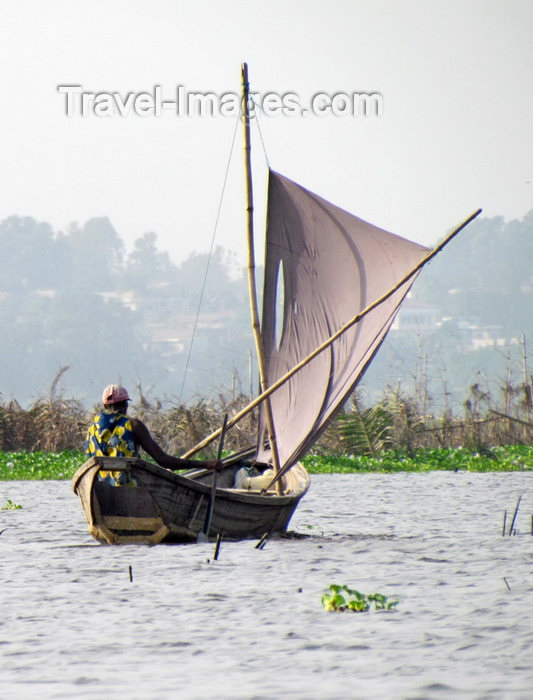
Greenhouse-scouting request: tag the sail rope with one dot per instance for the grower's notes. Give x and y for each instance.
(213, 237)
(204, 281)
(256, 117)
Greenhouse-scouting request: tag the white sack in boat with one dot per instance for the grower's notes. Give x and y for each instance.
(245, 479)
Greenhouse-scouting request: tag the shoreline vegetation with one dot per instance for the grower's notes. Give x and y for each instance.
(51, 466)
(398, 434)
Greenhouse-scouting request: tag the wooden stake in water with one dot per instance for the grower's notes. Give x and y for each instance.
(131, 573)
(262, 541)
(217, 547)
(514, 516)
(505, 522)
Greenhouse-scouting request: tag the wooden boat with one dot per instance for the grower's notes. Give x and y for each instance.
(333, 285)
(156, 504)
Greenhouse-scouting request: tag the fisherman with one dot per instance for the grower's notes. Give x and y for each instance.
(113, 434)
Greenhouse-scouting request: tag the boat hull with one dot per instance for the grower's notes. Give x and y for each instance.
(157, 505)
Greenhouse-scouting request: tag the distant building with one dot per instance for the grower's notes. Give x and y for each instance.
(416, 317)
(126, 298)
(486, 336)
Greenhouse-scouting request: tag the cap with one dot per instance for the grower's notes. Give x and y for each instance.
(114, 393)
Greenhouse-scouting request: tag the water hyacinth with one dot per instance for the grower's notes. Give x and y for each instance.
(505, 459)
(344, 599)
(24, 466)
(39, 466)
(9, 505)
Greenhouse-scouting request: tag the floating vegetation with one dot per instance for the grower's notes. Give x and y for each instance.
(28, 466)
(505, 459)
(9, 505)
(344, 599)
(39, 466)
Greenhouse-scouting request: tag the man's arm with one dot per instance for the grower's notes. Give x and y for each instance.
(146, 441)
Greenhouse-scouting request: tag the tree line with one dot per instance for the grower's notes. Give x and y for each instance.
(482, 286)
(78, 299)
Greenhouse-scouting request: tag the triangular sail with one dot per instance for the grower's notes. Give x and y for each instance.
(328, 265)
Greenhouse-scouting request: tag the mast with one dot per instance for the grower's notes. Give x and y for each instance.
(251, 269)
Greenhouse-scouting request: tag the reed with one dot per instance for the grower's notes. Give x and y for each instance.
(51, 424)
(399, 422)
(396, 422)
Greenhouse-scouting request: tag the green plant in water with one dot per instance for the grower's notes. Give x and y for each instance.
(344, 599)
(11, 506)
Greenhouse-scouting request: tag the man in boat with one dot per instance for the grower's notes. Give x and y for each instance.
(113, 434)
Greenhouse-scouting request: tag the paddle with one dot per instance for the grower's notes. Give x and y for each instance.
(203, 536)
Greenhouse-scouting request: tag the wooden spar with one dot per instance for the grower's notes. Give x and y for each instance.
(251, 269)
(276, 385)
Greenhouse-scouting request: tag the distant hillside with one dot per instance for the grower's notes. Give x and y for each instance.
(485, 275)
(475, 305)
(75, 298)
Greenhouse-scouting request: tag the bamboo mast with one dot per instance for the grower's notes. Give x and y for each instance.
(285, 378)
(254, 307)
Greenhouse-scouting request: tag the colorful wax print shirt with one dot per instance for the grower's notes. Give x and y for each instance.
(110, 435)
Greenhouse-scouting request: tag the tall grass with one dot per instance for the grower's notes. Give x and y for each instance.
(397, 422)
(55, 424)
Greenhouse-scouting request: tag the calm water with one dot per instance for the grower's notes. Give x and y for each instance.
(251, 625)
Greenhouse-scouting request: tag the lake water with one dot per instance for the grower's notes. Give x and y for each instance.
(251, 625)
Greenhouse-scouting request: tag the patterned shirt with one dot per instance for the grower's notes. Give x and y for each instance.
(110, 435)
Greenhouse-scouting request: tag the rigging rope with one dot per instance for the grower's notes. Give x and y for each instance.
(256, 117)
(204, 282)
(217, 219)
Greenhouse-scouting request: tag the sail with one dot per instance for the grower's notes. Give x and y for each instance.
(322, 266)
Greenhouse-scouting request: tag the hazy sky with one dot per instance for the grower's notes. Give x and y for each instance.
(456, 80)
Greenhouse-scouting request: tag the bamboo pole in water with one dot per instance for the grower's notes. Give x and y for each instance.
(285, 378)
(254, 307)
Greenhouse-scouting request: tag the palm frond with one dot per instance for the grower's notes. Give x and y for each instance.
(366, 432)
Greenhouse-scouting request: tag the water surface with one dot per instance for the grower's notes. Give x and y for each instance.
(251, 625)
